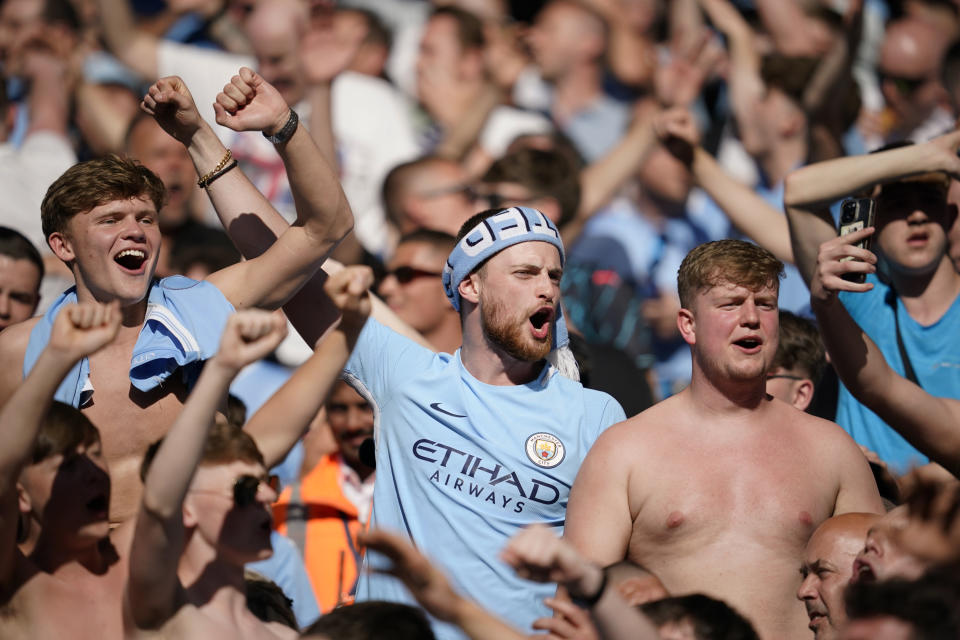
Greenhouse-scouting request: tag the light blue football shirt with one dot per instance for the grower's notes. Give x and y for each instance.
(462, 465)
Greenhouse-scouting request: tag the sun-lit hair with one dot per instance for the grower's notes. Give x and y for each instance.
(95, 182)
(62, 430)
(225, 444)
(726, 261)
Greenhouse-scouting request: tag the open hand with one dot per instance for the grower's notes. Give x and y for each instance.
(80, 330)
(169, 101)
(250, 103)
(250, 334)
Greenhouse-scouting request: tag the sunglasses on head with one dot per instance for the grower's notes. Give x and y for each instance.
(407, 274)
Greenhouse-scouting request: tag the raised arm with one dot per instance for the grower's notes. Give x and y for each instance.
(810, 190)
(537, 554)
(132, 45)
(153, 591)
(433, 591)
(748, 212)
(929, 423)
(283, 419)
(276, 269)
(78, 331)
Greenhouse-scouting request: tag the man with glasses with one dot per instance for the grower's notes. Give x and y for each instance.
(428, 193)
(412, 288)
(798, 363)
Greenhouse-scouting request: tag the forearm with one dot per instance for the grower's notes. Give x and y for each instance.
(616, 620)
(750, 213)
(321, 122)
(49, 103)
(173, 467)
(480, 624)
(823, 183)
(284, 418)
(600, 181)
(925, 421)
(131, 45)
(22, 414)
(460, 138)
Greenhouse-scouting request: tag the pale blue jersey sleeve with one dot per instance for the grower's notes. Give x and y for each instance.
(382, 359)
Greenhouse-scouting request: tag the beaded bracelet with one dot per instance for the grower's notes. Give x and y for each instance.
(226, 169)
(207, 179)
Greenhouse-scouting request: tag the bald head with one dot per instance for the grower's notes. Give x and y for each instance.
(827, 568)
(912, 46)
(275, 29)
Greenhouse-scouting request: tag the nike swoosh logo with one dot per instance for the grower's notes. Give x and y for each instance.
(436, 407)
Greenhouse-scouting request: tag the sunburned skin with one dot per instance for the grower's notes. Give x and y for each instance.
(718, 488)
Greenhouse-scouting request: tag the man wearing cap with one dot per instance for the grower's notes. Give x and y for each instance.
(474, 446)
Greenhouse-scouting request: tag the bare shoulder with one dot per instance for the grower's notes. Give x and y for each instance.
(642, 432)
(13, 346)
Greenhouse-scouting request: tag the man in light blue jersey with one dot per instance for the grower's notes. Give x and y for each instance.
(475, 446)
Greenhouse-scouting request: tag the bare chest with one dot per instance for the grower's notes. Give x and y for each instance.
(763, 492)
(47, 608)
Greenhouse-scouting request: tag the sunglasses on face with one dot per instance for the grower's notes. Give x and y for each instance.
(405, 274)
(245, 489)
(905, 85)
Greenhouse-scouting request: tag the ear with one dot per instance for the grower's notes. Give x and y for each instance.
(687, 326)
(61, 246)
(469, 288)
(803, 394)
(24, 503)
(792, 124)
(189, 513)
(472, 65)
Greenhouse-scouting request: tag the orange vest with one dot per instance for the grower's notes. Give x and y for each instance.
(324, 525)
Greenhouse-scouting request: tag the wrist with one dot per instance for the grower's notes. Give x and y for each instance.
(588, 590)
(277, 125)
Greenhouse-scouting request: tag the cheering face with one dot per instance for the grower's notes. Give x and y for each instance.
(229, 506)
(882, 557)
(114, 249)
(70, 494)
(519, 295)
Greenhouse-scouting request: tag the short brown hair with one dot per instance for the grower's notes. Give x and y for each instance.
(800, 348)
(734, 261)
(225, 443)
(89, 184)
(62, 430)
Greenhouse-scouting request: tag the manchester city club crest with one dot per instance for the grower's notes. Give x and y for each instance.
(545, 450)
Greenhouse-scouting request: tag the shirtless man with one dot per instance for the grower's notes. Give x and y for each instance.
(718, 488)
(205, 509)
(53, 479)
(100, 218)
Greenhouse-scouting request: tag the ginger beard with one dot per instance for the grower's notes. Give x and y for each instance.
(511, 332)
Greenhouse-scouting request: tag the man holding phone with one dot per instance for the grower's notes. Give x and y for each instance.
(909, 303)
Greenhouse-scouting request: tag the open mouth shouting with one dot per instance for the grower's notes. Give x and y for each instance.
(540, 322)
(98, 505)
(749, 344)
(862, 572)
(132, 261)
